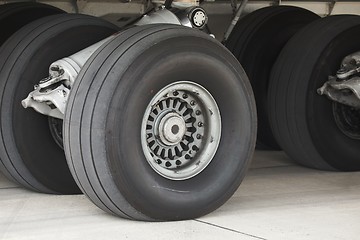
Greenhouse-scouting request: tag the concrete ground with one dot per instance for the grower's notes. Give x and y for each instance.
(277, 200)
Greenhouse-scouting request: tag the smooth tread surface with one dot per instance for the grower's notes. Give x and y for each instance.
(102, 125)
(256, 42)
(28, 153)
(13, 16)
(303, 121)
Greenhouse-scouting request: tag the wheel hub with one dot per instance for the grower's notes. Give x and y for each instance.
(55, 126)
(182, 128)
(347, 119)
(172, 129)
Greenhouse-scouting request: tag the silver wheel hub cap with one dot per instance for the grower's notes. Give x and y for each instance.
(181, 130)
(172, 129)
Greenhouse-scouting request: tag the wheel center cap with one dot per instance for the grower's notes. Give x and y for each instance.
(172, 129)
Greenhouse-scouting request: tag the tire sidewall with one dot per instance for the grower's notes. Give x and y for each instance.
(174, 60)
(30, 153)
(339, 150)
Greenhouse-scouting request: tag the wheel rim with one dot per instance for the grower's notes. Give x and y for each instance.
(347, 119)
(181, 130)
(55, 126)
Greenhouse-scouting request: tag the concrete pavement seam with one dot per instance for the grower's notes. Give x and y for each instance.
(229, 229)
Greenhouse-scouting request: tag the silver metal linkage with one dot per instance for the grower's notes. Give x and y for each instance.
(51, 94)
(345, 87)
(193, 17)
(236, 18)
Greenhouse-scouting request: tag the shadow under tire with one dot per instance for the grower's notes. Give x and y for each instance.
(302, 121)
(29, 155)
(104, 123)
(256, 42)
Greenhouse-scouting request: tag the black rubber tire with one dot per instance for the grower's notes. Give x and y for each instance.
(105, 110)
(302, 121)
(13, 16)
(256, 42)
(28, 152)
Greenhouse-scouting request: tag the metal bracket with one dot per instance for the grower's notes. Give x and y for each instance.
(345, 92)
(51, 102)
(51, 94)
(193, 17)
(236, 18)
(345, 87)
(349, 66)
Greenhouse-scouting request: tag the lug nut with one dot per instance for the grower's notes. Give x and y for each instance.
(198, 136)
(192, 103)
(175, 93)
(185, 96)
(198, 112)
(200, 124)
